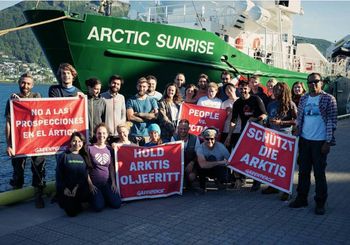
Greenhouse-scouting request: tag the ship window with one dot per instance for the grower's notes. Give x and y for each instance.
(284, 3)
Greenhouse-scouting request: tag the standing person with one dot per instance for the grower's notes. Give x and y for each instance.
(248, 108)
(282, 114)
(96, 105)
(212, 159)
(298, 90)
(317, 121)
(115, 106)
(152, 93)
(101, 179)
(141, 110)
(210, 100)
(190, 94)
(226, 78)
(72, 176)
(202, 85)
(180, 81)
(191, 143)
(169, 108)
(26, 84)
(256, 89)
(67, 74)
(269, 85)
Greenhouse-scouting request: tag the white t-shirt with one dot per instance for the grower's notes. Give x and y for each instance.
(212, 103)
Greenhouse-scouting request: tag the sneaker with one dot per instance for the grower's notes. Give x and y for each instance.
(284, 196)
(319, 209)
(269, 190)
(298, 203)
(255, 186)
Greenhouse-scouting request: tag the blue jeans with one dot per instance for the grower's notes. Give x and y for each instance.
(105, 195)
(310, 156)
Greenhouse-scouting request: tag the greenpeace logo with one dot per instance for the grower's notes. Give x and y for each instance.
(150, 192)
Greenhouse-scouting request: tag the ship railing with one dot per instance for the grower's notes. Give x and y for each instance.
(184, 13)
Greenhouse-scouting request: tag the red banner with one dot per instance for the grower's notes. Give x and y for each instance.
(201, 117)
(266, 155)
(44, 126)
(149, 172)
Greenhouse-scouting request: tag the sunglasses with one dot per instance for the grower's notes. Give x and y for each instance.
(313, 81)
(211, 139)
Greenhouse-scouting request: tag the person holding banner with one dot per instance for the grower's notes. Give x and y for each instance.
(247, 107)
(282, 113)
(317, 121)
(191, 143)
(212, 159)
(154, 135)
(169, 108)
(115, 107)
(210, 100)
(96, 105)
(101, 178)
(26, 84)
(72, 176)
(65, 88)
(141, 110)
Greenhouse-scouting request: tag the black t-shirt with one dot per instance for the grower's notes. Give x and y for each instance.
(7, 109)
(245, 109)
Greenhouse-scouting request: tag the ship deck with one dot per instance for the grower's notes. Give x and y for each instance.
(218, 217)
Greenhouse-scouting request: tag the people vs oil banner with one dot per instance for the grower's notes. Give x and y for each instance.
(43, 126)
(266, 155)
(201, 117)
(149, 172)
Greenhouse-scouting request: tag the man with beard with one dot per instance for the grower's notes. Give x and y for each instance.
(65, 88)
(141, 110)
(115, 107)
(248, 108)
(152, 82)
(191, 142)
(203, 82)
(26, 84)
(180, 81)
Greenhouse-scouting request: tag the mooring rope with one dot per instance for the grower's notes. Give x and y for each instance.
(3, 32)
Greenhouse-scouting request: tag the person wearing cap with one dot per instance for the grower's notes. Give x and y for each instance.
(154, 135)
(212, 159)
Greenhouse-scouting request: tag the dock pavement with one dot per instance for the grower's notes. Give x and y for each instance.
(217, 217)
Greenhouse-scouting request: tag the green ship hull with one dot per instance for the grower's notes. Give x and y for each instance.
(99, 46)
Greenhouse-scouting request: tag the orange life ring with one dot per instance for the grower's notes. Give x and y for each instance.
(239, 43)
(256, 43)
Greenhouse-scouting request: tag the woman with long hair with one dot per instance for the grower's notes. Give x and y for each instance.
(190, 94)
(169, 108)
(101, 179)
(72, 176)
(298, 90)
(282, 114)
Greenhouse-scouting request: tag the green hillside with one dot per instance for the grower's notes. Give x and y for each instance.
(22, 44)
(320, 44)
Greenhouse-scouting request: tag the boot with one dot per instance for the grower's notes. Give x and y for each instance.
(39, 201)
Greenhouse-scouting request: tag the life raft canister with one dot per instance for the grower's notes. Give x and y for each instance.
(256, 43)
(239, 43)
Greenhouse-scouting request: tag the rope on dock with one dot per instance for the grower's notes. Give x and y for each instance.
(3, 32)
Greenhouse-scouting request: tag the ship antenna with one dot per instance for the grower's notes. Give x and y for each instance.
(197, 15)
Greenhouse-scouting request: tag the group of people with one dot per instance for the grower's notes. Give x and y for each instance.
(86, 171)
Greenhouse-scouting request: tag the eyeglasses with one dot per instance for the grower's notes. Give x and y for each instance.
(209, 139)
(313, 81)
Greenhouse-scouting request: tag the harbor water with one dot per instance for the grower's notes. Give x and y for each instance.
(6, 168)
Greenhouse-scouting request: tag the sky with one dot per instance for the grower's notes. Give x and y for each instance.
(323, 19)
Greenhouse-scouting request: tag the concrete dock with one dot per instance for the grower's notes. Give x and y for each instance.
(217, 217)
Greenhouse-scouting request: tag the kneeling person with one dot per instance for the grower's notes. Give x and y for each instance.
(212, 159)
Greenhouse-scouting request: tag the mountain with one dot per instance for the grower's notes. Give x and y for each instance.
(23, 44)
(320, 44)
